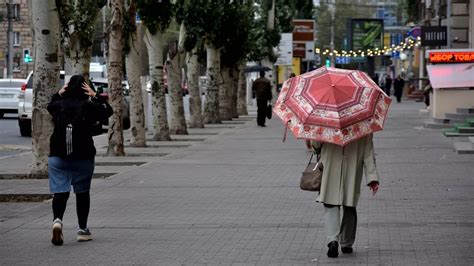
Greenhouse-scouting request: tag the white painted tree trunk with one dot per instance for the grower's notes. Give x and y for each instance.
(225, 97)
(77, 56)
(115, 74)
(137, 113)
(266, 62)
(155, 56)
(195, 102)
(175, 92)
(211, 110)
(45, 81)
(242, 92)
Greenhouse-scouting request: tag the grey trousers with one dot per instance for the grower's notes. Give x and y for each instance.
(341, 229)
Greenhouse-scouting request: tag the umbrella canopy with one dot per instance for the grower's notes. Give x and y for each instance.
(332, 105)
(257, 68)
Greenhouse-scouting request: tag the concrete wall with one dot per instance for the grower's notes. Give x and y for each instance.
(447, 100)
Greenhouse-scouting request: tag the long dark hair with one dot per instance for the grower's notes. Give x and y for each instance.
(74, 88)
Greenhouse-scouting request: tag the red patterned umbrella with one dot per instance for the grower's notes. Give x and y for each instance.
(332, 105)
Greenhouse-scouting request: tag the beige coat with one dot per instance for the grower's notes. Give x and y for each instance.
(342, 174)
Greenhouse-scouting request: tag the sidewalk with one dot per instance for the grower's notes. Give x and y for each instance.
(234, 198)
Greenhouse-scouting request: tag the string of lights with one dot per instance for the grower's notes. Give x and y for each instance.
(372, 52)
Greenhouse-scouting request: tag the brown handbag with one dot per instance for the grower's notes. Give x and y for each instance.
(312, 175)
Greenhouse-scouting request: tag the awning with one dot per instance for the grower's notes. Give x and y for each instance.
(451, 75)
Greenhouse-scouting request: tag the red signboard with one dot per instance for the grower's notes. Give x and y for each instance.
(299, 49)
(303, 30)
(452, 57)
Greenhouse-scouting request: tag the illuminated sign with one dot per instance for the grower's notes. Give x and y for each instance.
(366, 34)
(452, 57)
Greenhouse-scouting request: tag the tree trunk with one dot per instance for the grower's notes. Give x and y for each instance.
(155, 55)
(137, 114)
(115, 66)
(195, 102)
(211, 110)
(225, 97)
(173, 70)
(242, 92)
(45, 81)
(77, 57)
(234, 91)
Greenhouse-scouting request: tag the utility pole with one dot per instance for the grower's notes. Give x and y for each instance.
(10, 40)
(331, 54)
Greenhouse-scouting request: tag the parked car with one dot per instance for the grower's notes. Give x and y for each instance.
(25, 103)
(9, 92)
(102, 87)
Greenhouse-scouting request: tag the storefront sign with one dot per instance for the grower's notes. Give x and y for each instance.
(434, 35)
(452, 57)
(303, 30)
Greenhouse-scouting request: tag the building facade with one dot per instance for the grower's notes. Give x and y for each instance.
(22, 38)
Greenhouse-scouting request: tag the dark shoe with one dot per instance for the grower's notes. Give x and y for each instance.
(333, 249)
(346, 250)
(263, 126)
(57, 238)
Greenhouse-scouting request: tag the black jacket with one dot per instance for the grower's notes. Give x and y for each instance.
(82, 115)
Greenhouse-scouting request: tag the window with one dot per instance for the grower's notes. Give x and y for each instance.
(16, 38)
(16, 11)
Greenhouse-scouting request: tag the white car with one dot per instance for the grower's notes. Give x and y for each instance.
(25, 103)
(9, 92)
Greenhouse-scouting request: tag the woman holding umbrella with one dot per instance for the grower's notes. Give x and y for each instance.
(339, 110)
(340, 188)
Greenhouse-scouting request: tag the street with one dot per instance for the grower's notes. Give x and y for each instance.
(11, 142)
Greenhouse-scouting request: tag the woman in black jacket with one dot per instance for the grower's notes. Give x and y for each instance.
(75, 110)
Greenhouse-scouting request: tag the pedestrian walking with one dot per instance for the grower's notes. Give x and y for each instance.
(398, 85)
(388, 84)
(75, 109)
(340, 137)
(340, 188)
(262, 90)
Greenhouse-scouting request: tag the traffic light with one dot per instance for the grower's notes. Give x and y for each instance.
(328, 62)
(27, 56)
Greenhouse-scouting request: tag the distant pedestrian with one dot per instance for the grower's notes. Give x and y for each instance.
(427, 90)
(262, 89)
(388, 84)
(75, 110)
(398, 85)
(340, 188)
(292, 75)
(375, 78)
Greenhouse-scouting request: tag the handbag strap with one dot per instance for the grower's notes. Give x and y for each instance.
(318, 157)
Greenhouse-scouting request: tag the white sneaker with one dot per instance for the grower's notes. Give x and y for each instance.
(57, 238)
(84, 235)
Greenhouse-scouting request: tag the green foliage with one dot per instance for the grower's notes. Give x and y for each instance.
(239, 18)
(411, 8)
(80, 16)
(304, 9)
(156, 15)
(344, 10)
(262, 39)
